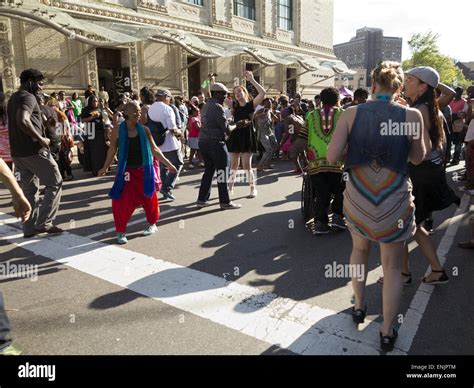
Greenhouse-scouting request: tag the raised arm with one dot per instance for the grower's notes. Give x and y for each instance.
(262, 93)
(447, 95)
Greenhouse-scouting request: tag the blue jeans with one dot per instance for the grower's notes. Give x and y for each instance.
(216, 158)
(169, 179)
(5, 339)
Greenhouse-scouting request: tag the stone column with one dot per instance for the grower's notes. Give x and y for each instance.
(133, 54)
(184, 83)
(7, 63)
(91, 67)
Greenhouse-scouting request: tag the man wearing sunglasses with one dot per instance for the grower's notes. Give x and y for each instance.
(32, 157)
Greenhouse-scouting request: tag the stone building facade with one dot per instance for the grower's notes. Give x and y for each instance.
(71, 65)
(352, 81)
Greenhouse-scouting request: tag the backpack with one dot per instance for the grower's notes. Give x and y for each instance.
(158, 131)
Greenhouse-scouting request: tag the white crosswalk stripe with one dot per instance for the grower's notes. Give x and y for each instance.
(297, 326)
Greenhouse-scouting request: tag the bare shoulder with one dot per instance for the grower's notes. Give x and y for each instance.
(422, 108)
(349, 115)
(351, 111)
(415, 113)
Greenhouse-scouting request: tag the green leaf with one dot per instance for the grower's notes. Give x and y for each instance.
(425, 52)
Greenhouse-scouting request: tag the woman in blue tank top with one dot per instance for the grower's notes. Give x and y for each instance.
(377, 139)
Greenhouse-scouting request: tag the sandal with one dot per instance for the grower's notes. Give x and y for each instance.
(405, 282)
(441, 280)
(387, 342)
(358, 315)
(466, 245)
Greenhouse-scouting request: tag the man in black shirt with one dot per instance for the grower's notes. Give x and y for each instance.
(31, 155)
(212, 136)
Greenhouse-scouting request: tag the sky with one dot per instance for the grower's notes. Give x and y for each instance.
(401, 18)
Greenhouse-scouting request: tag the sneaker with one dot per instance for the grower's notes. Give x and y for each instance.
(321, 228)
(201, 204)
(253, 192)
(10, 351)
(338, 222)
(190, 166)
(121, 238)
(167, 195)
(230, 206)
(201, 165)
(150, 230)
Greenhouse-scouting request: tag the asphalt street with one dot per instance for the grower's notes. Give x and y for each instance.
(250, 281)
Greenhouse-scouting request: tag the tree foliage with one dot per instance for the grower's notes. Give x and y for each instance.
(425, 52)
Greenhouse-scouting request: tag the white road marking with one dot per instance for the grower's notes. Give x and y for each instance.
(412, 319)
(297, 326)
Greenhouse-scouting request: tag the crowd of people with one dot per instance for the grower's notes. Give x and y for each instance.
(383, 188)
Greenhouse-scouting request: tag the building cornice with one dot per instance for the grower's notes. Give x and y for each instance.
(123, 15)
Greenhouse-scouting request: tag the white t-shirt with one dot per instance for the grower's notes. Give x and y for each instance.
(162, 113)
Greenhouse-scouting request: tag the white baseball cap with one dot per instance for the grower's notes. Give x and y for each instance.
(426, 74)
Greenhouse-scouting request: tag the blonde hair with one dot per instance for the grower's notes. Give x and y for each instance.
(246, 92)
(389, 75)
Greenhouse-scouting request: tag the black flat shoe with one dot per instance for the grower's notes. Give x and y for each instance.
(387, 342)
(441, 280)
(358, 316)
(50, 230)
(30, 235)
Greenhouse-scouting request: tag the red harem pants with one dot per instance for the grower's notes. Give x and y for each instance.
(133, 197)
